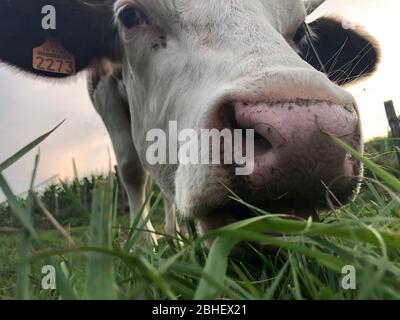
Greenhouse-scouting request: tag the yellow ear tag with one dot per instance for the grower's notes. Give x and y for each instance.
(52, 57)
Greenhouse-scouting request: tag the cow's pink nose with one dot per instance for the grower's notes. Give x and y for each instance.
(294, 154)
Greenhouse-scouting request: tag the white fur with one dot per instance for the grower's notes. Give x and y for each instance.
(216, 50)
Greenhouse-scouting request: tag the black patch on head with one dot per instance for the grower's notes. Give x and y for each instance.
(346, 54)
(85, 29)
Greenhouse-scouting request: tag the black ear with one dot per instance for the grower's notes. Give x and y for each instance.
(83, 28)
(347, 54)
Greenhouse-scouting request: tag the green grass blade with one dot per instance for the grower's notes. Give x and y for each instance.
(269, 294)
(100, 280)
(23, 286)
(23, 283)
(18, 209)
(216, 266)
(63, 284)
(246, 282)
(294, 270)
(386, 177)
(139, 224)
(26, 149)
(343, 230)
(253, 229)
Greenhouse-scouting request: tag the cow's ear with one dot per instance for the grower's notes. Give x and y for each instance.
(346, 53)
(84, 31)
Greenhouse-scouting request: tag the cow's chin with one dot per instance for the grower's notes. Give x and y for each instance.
(225, 215)
(213, 204)
(221, 215)
(207, 197)
(213, 208)
(247, 251)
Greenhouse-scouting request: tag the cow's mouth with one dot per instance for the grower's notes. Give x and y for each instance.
(228, 214)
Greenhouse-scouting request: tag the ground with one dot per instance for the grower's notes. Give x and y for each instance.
(352, 253)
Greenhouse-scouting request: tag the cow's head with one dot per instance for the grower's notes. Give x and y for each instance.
(226, 64)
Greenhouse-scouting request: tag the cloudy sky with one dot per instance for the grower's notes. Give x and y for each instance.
(29, 107)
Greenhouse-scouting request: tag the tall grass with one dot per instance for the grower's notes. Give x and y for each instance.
(114, 261)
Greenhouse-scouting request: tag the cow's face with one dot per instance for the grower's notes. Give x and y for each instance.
(235, 64)
(232, 64)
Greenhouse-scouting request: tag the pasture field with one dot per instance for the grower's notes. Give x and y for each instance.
(108, 260)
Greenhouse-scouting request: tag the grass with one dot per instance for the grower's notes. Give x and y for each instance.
(108, 260)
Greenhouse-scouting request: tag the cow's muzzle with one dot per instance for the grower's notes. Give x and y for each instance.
(297, 165)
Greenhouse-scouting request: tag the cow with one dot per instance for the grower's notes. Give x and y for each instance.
(212, 64)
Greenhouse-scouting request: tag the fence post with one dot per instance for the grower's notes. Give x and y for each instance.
(394, 126)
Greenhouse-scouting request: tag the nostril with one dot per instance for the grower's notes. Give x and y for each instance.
(261, 145)
(269, 133)
(229, 117)
(266, 136)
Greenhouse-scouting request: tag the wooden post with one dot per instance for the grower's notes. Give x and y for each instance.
(394, 126)
(75, 168)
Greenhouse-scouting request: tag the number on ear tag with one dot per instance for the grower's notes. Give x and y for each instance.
(52, 57)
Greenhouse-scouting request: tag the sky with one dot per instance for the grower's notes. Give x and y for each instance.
(29, 107)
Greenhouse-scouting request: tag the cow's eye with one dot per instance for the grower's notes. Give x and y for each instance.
(131, 17)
